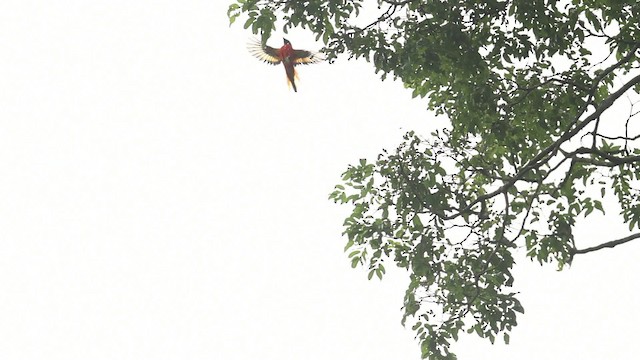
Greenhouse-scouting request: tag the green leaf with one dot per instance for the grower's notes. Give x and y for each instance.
(233, 12)
(598, 205)
(517, 307)
(249, 22)
(371, 272)
(417, 223)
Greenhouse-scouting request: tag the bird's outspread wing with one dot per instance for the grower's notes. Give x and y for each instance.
(307, 57)
(264, 52)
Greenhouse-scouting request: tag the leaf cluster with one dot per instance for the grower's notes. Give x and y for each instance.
(533, 145)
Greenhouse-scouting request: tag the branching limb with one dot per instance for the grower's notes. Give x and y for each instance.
(625, 138)
(609, 244)
(541, 158)
(611, 159)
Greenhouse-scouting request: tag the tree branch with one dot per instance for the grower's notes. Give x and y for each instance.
(609, 244)
(538, 159)
(611, 160)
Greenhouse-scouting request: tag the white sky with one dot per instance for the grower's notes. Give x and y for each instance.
(163, 195)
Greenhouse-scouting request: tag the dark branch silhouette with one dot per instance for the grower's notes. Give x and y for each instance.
(608, 244)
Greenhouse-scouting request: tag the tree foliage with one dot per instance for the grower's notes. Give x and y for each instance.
(528, 87)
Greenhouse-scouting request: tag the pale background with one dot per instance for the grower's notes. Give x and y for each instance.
(163, 195)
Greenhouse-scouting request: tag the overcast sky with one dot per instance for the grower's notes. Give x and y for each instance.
(163, 195)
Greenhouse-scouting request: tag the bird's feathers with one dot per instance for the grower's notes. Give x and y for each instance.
(272, 55)
(286, 55)
(306, 57)
(264, 52)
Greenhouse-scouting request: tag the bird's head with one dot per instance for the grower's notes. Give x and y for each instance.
(286, 42)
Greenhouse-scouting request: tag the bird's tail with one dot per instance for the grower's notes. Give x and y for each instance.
(291, 82)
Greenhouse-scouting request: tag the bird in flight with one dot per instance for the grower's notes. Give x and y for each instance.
(287, 55)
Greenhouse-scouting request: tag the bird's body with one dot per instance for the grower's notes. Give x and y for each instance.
(285, 55)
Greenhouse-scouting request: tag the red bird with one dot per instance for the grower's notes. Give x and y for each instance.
(285, 55)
